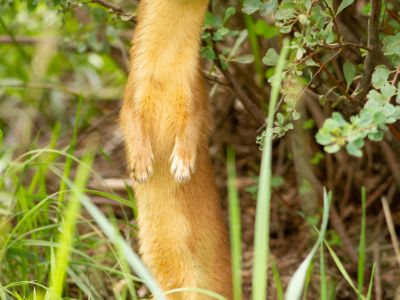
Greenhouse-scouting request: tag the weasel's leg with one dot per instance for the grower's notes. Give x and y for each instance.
(192, 128)
(137, 139)
(183, 157)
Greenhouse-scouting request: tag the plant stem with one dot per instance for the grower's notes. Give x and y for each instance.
(261, 238)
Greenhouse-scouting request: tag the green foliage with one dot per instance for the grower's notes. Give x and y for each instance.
(252, 6)
(349, 72)
(215, 30)
(391, 48)
(343, 5)
(371, 122)
(314, 29)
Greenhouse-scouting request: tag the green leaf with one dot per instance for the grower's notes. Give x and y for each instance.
(211, 21)
(343, 5)
(280, 118)
(391, 45)
(380, 76)
(229, 12)
(208, 53)
(220, 33)
(332, 148)
(376, 136)
(349, 71)
(270, 58)
(251, 6)
(296, 115)
(268, 7)
(388, 90)
(352, 149)
(286, 29)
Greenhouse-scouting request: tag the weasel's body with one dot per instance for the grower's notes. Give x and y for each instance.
(165, 121)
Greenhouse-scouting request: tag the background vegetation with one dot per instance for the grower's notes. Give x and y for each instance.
(67, 225)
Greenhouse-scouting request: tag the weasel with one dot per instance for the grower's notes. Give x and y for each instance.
(165, 121)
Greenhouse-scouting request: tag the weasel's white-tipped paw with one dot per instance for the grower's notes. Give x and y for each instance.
(182, 163)
(179, 169)
(142, 167)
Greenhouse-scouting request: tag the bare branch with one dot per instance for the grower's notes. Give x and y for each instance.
(115, 9)
(374, 46)
(249, 105)
(6, 39)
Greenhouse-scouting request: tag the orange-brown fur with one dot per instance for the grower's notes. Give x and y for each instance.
(165, 122)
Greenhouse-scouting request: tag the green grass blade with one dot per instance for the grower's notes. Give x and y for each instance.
(322, 271)
(83, 284)
(131, 257)
(371, 283)
(235, 228)
(261, 236)
(26, 217)
(277, 280)
(362, 244)
(114, 237)
(3, 295)
(296, 283)
(342, 270)
(116, 198)
(308, 279)
(68, 229)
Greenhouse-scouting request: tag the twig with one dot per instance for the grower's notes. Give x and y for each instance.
(6, 39)
(338, 225)
(378, 192)
(249, 105)
(345, 44)
(390, 225)
(111, 6)
(378, 276)
(392, 161)
(373, 44)
(115, 9)
(332, 16)
(396, 76)
(214, 79)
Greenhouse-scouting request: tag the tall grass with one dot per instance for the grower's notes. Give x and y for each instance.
(235, 228)
(296, 283)
(362, 243)
(66, 238)
(261, 238)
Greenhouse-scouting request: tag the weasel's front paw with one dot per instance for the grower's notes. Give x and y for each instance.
(182, 161)
(141, 166)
